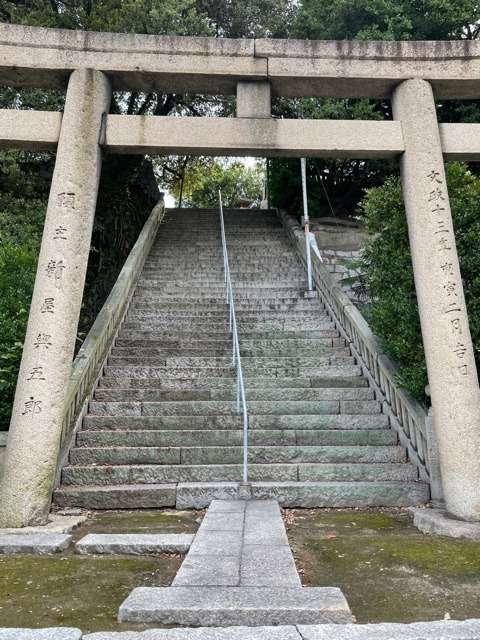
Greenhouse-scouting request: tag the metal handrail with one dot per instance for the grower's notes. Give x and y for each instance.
(306, 223)
(233, 328)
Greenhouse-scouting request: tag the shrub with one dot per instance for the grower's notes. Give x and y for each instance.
(393, 312)
(17, 273)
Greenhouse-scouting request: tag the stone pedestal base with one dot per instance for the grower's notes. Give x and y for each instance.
(440, 523)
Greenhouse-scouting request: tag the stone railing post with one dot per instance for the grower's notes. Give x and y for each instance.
(35, 431)
(446, 335)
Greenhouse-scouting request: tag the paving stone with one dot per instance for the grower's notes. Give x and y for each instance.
(264, 508)
(57, 524)
(264, 530)
(226, 521)
(52, 633)
(33, 543)
(226, 606)
(212, 543)
(208, 633)
(440, 523)
(203, 570)
(134, 543)
(227, 506)
(439, 630)
(268, 566)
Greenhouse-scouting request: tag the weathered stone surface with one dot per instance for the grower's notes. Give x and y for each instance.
(225, 606)
(265, 565)
(134, 543)
(212, 543)
(209, 570)
(440, 523)
(438, 630)
(52, 633)
(33, 543)
(117, 497)
(227, 506)
(56, 524)
(223, 521)
(202, 65)
(3, 444)
(342, 494)
(38, 411)
(264, 529)
(256, 136)
(253, 100)
(380, 472)
(449, 353)
(208, 633)
(191, 495)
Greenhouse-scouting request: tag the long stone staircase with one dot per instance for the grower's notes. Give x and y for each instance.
(162, 428)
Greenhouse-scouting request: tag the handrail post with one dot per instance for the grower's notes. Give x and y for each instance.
(306, 223)
(241, 402)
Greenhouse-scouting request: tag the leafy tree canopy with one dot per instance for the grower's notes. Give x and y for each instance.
(195, 182)
(387, 20)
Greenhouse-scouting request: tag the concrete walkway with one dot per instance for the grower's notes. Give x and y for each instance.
(239, 571)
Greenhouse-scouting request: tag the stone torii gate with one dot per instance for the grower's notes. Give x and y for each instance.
(90, 65)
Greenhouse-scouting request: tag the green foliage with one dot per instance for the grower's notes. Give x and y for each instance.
(197, 181)
(393, 312)
(132, 16)
(387, 20)
(127, 194)
(21, 221)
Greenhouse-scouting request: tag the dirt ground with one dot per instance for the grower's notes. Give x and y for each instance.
(387, 569)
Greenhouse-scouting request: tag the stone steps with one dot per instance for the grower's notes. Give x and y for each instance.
(348, 376)
(233, 421)
(220, 438)
(220, 308)
(217, 407)
(273, 345)
(248, 362)
(127, 473)
(197, 455)
(199, 495)
(192, 336)
(162, 428)
(172, 350)
(158, 395)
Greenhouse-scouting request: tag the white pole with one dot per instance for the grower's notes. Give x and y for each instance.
(303, 164)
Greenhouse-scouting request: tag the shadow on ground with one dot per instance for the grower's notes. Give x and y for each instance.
(387, 569)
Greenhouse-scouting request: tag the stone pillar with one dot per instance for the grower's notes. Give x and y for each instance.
(35, 431)
(254, 100)
(446, 335)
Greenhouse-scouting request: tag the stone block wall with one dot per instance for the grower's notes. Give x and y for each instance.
(341, 243)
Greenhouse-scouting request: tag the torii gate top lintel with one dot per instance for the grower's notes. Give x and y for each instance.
(40, 57)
